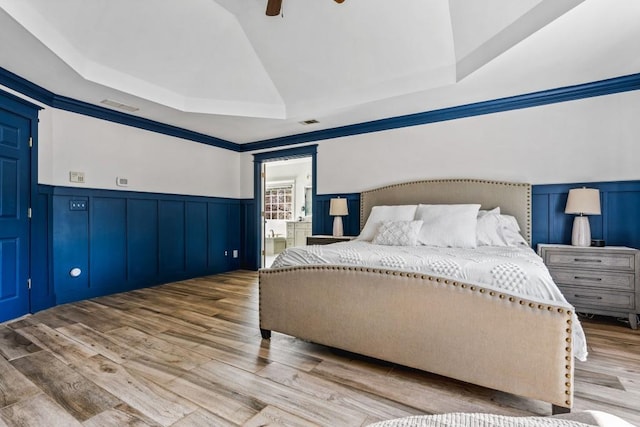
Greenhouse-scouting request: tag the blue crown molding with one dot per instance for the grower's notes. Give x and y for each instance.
(49, 98)
(19, 105)
(569, 93)
(534, 99)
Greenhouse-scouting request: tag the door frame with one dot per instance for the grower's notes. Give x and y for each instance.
(29, 111)
(258, 160)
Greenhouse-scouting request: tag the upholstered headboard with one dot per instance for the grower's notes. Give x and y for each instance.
(513, 198)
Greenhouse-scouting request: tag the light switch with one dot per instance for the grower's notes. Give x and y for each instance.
(77, 205)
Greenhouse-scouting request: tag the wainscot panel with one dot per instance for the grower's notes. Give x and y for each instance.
(249, 234)
(42, 291)
(323, 222)
(120, 240)
(618, 224)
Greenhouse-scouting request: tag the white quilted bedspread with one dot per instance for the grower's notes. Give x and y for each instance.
(477, 420)
(517, 270)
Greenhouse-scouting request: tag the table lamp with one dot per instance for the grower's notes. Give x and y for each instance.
(582, 201)
(337, 209)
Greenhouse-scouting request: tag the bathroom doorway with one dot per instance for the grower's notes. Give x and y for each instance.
(287, 200)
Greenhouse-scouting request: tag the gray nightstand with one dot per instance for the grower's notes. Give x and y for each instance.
(325, 240)
(597, 280)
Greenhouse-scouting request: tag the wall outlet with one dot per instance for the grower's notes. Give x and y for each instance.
(122, 182)
(226, 253)
(76, 177)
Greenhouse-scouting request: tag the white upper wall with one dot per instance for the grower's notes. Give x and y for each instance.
(152, 162)
(592, 139)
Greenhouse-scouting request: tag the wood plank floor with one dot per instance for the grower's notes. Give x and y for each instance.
(190, 354)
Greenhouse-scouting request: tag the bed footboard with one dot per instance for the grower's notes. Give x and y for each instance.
(447, 327)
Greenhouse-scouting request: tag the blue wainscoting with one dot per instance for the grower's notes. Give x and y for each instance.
(127, 240)
(249, 234)
(323, 222)
(618, 225)
(42, 291)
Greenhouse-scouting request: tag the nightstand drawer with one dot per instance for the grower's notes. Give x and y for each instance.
(581, 297)
(591, 259)
(594, 279)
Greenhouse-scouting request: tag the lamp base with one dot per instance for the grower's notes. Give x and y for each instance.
(581, 234)
(337, 227)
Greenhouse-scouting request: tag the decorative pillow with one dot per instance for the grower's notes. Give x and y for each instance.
(397, 233)
(448, 225)
(385, 213)
(488, 230)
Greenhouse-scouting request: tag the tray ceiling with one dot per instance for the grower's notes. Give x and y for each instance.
(225, 69)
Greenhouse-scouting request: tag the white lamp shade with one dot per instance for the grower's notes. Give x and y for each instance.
(338, 207)
(584, 201)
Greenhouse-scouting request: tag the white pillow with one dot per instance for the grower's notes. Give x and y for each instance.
(494, 229)
(448, 225)
(509, 221)
(397, 233)
(510, 231)
(385, 213)
(488, 230)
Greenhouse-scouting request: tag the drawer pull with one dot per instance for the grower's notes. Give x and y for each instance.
(594, 279)
(587, 296)
(586, 260)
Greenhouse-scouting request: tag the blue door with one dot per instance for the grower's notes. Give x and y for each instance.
(14, 221)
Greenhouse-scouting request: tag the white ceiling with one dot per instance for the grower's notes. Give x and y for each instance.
(223, 68)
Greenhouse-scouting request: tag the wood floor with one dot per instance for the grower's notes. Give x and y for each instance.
(190, 354)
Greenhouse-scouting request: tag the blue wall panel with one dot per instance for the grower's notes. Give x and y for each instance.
(249, 234)
(233, 235)
(142, 241)
(171, 232)
(108, 246)
(196, 236)
(623, 219)
(540, 217)
(42, 292)
(70, 249)
(218, 236)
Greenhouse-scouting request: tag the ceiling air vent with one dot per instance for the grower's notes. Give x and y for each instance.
(309, 122)
(120, 105)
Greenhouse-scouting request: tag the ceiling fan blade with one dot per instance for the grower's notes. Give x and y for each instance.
(273, 7)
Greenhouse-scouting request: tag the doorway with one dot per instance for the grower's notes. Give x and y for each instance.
(284, 194)
(288, 205)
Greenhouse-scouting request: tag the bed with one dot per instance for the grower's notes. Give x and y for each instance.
(438, 323)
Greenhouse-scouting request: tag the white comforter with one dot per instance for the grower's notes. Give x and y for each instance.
(517, 270)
